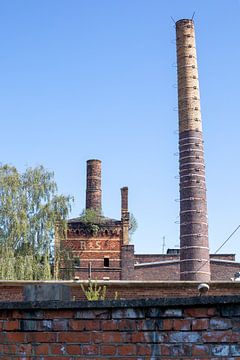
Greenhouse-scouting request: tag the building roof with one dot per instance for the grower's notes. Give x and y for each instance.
(102, 220)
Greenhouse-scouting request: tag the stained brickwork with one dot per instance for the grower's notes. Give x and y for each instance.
(93, 255)
(125, 215)
(13, 291)
(127, 272)
(199, 328)
(94, 188)
(194, 249)
(169, 270)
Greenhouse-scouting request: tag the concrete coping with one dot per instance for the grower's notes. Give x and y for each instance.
(154, 263)
(144, 303)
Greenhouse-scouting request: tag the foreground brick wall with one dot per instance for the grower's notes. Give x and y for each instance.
(193, 328)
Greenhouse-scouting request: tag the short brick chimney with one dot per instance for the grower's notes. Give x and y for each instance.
(94, 190)
(125, 215)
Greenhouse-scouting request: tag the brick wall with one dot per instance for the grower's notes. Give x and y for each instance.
(193, 328)
(141, 258)
(163, 271)
(221, 270)
(13, 291)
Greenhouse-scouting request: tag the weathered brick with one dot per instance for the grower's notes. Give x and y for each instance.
(220, 350)
(200, 324)
(135, 337)
(125, 324)
(90, 349)
(73, 349)
(220, 324)
(92, 314)
(172, 313)
(84, 325)
(235, 350)
(10, 349)
(168, 324)
(96, 337)
(200, 350)
(28, 325)
(154, 312)
(180, 350)
(46, 337)
(181, 324)
(217, 336)
(154, 337)
(127, 313)
(58, 314)
(143, 349)
(200, 312)
(42, 349)
(74, 337)
(166, 350)
(108, 350)
(58, 349)
(60, 324)
(230, 310)
(112, 337)
(15, 337)
(25, 349)
(28, 314)
(107, 325)
(45, 325)
(124, 350)
(11, 325)
(184, 336)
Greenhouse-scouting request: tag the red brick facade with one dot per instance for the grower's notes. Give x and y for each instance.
(95, 256)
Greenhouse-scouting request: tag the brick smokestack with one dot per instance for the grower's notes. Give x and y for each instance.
(124, 201)
(125, 215)
(194, 248)
(94, 191)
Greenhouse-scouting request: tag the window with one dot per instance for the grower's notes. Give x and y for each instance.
(106, 262)
(76, 262)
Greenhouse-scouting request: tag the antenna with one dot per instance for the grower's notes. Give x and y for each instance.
(173, 20)
(163, 244)
(193, 15)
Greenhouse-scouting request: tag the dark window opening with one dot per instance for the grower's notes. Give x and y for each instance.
(106, 262)
(76, 262)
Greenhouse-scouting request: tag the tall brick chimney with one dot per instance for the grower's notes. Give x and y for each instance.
(194, 248)
(94, 191)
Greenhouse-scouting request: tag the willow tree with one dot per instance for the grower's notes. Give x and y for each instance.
(30, 208)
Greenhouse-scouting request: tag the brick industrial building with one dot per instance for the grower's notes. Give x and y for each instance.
(106, 252)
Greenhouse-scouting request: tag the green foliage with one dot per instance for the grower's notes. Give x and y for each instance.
(94, 292)
(91, 220)
(29, 210)
(133, 225)
(90, 216)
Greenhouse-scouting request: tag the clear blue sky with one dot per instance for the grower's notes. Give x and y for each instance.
(95, 79)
